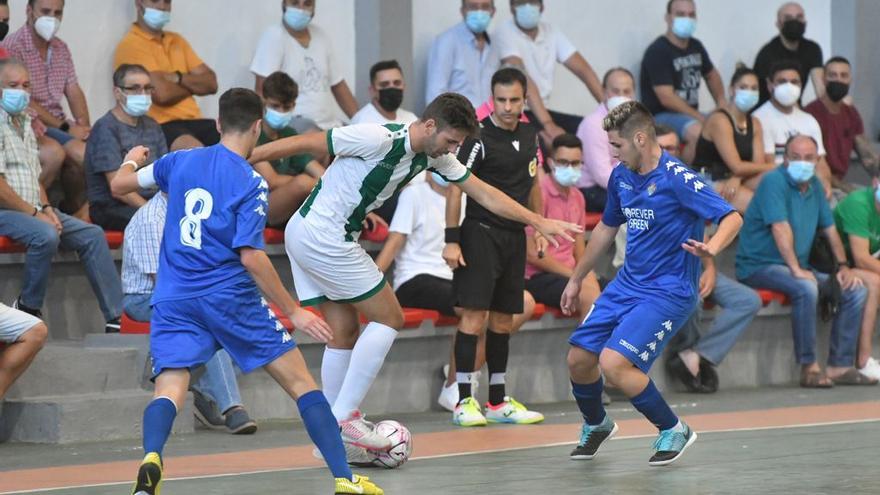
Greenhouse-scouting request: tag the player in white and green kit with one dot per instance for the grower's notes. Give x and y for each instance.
(330, 269)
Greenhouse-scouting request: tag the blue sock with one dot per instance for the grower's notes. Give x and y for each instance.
(158, 419)
(324, 431)
(650, 403)
(589, 401)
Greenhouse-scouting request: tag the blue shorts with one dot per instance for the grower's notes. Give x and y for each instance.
(185, 333)
(59, 135)
(636, 326)
(679, 122)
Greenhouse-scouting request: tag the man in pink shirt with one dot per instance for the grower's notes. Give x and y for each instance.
(547, 273)
(619, 86)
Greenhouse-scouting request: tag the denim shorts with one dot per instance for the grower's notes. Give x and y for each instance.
(59, 135)
(679, 122)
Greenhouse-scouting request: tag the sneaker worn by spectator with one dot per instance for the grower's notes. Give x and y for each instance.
(113, 326)
(31, 311)
(449, 393)
(871, 369)
(235, 421)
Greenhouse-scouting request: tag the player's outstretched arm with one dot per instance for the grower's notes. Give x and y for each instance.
(601, 239)
(501, 204)
(126, 179)
(258, 265)
(727, 231)
(314, 143)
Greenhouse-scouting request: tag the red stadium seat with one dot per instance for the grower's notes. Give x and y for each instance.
(378, 233)
(414, 317)
(539, 311)
(114, 238)
(556, 312)
(593, 219)
(132, 327)
(7, 245)
(446, 321)
(768, 296)
(273, 236)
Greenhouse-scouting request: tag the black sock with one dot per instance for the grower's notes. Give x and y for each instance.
(497, 350)
(465, 359)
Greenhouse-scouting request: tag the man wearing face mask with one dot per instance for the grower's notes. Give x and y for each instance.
(791, 22)
(386, 93)
(303, 50)
(774, 251)
(463, 58)
(619, 86)
(841, 124)
(119, 130)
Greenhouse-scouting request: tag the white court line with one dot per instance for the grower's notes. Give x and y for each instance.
(457, 454)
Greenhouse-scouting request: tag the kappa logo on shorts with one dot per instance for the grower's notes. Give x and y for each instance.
(660, 335)
(629, 346)
(278, 326)
(667, 325)
(653, 346)
(644, 356)
(285, 338)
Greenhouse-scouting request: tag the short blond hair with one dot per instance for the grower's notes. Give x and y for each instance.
(628, 118)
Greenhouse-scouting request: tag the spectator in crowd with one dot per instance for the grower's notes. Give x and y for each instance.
(774, 248)
(303, 50)
(619, 86)
(386, 95)
(48, 59)
(730, 150)
(27, 217)
(781, 118)
(536, 47)
(463, 58)
(672, 68)
(291, 178)
(421, 278)
(217, 400)
(858, 222)
(122, 128)
(549, 269)
(24, 336)
(841, 124)
(177, 73)
(791, 21)
(4, 27)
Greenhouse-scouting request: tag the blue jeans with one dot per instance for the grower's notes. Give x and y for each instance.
(218, 381)
(739, 305)
(804, 295)
(679, 122)
(43, 241)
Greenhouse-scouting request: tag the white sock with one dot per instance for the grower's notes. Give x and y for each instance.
(679, 427)
(334, 366)
(367, 358)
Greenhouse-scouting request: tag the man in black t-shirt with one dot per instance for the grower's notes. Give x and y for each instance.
(488, 253)
(672, 69)
(791, 45)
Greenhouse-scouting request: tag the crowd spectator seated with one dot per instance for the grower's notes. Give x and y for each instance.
(386, 96)
(619, 86)
(215, 389)
(841, 123)
(672, 68)
(4, 27)
(463, 58)
(291, 178)
(730, 150)
(27, 217)
(122, 128)
(177, 73)
(303, 50)
(780, 227)
(23, 336)
(791, 21)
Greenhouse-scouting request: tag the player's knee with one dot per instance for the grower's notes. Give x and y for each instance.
(613, 364)
(472, 322)
(581, 362)
(395, 319)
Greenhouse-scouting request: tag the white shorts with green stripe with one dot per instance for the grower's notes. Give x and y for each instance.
(326, 267)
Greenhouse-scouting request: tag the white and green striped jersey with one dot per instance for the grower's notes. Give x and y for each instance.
(372, 163)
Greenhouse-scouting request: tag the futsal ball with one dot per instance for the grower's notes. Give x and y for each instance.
(401, 445)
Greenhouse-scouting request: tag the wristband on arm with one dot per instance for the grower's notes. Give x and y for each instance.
(453, 234)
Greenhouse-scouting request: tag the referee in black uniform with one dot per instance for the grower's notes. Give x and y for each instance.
(488, 253)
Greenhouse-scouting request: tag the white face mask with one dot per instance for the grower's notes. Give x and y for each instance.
(46, 27)
(616, 101)
(787, 94)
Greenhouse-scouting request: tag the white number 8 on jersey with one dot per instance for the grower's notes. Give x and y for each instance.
(199, 204)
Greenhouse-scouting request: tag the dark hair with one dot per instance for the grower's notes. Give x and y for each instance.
(796, 136)
(383, 65)
(4, 2)
(279, 86)
(126, 69)
(669, 5)
(628, 118)
(239, 109)
(784, 64)
(612, 71)
(663, 129)
(508, 76)
(741, 72)
(567, 141)
(452, 110)
(837, 59)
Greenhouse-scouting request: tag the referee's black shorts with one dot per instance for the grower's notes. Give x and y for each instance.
(494, 277)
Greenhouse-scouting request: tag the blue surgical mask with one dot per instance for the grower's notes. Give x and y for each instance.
(439, 179)
(745, 99)
(801, 171)
(156, 19)
(137, 105)
(297, 19)
(477, 21)
(567, 176)
(684, 27)
(15, 100)
(877, 194)
(528, 15)
(278, 120)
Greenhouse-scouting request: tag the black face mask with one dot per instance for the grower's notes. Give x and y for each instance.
(390, 99)
(793, 29)
(836, 90)
(4, 30)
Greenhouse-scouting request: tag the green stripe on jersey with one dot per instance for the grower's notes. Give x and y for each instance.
(374, 183)
(307, 204)
(330, 142)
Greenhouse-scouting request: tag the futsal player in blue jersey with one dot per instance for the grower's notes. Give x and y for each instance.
(664, 205)
(212, 269)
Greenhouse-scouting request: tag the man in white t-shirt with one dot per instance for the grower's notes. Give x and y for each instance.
(386, 93)
(537, 46)
(304, 52)
(781, 117)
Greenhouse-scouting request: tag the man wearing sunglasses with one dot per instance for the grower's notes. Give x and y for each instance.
(122, 128)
